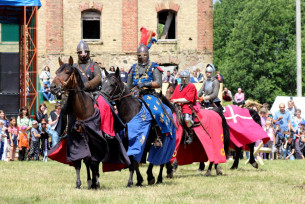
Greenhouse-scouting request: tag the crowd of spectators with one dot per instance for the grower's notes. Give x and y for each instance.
(30, 137)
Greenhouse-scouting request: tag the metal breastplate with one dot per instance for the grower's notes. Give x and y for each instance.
(208, 87)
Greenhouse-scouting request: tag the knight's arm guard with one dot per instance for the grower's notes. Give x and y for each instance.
(201, 91)
(157, 83)
(215, 91)
(129, 81)
(96, 81)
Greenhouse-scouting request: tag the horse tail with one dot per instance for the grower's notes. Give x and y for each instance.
(255, 116)
(226, 130)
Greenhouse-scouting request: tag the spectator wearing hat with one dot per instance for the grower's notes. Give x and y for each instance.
(47, 95)
(239, 98)
(300, 147)
(289, 148)
(35, 135)
(23, 143)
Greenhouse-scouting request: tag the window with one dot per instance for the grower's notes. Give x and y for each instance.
(9, 32)
(167, 24)
(91, 26)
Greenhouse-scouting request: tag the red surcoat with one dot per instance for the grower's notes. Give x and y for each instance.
(189, 93)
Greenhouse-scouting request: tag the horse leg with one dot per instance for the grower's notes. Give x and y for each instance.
(175, 165)
(169, 170)
(150, 177)
(131, 171)
(139, 176)
(218, 171)
(89, 181)
(77, 167)
(251, 159)
(160, 179)
(236, 160)
(201, 166)
(208, 173)
(95, 174)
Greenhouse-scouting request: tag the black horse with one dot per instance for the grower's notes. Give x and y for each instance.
(68, 79)
(128, 107)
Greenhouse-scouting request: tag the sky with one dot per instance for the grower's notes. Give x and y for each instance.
(214, 1)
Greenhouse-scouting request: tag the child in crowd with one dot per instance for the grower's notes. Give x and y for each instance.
(4, 140)
(34, 150)
(268, 128)
(23, 142)
(289, 148)
(13, 130)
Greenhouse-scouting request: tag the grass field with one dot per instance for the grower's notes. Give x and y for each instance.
(52, 182)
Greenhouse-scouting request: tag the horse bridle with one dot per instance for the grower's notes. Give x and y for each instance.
(118, 96)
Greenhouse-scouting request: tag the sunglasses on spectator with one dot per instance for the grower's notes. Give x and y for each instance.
(270, 116)
(43, 123)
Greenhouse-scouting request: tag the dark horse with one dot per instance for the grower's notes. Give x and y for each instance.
(80, 106)
(128, 107)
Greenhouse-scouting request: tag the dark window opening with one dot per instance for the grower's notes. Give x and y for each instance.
(167, 24)
(91, 29)
(91, 25)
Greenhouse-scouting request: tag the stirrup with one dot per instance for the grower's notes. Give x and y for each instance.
(158, 142)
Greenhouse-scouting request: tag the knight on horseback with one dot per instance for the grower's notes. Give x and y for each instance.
(89, 70)
(147, 76)
(185, 94)
(210, 89)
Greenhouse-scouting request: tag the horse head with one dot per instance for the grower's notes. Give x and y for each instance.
(67, 78)
(112, 86)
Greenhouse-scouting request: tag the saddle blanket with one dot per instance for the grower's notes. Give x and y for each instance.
(243, 129)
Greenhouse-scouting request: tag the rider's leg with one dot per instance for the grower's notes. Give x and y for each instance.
(189, 123)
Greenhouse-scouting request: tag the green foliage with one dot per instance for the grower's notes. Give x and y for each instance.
(160, 30)
(254, 46)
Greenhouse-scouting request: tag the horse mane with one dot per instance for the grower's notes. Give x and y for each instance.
(79, 80)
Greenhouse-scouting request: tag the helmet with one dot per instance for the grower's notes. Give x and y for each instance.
(210, 68)
(185, 77)
(143, 55)
(82, 47)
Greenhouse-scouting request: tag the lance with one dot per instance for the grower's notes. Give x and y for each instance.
(199, 120)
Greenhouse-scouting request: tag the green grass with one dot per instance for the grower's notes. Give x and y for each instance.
(52, 182)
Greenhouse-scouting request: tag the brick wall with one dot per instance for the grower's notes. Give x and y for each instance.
(54, 26)
(205, 25)
(130, 25)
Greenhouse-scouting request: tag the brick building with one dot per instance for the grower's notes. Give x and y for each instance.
(111, 29)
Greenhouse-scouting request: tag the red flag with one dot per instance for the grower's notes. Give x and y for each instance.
(243, 129)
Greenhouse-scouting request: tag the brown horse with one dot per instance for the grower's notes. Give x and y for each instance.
(79, 107)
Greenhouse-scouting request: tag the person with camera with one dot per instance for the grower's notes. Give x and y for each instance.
(291, 107)
(226, 95)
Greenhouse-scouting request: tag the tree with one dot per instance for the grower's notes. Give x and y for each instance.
(254, 42)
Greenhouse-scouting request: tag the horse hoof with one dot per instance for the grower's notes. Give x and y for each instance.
(78, 184)
(129, 185)
(170, 175)
(233, 167)
(208, 173)
(151, 181)
(89, 184)
(255, 165)
(200, 170)
(139, 184)
(159, 182)
(218, 171)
